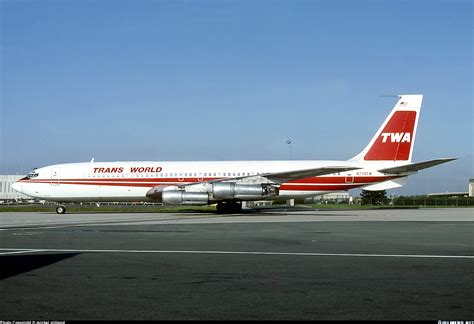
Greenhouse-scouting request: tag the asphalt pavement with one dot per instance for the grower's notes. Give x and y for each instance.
(393, 264)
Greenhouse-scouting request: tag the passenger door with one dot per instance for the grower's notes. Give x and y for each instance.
(55, 176)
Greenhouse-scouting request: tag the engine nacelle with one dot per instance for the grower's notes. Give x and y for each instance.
(215, 192)
(179, 197)
(231, 190)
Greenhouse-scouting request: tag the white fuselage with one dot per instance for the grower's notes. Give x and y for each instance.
(130, 181)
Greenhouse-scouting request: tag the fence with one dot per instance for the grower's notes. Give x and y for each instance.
(431, 201)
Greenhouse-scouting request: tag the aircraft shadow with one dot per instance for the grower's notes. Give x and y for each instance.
(247, 210)
(12, 265)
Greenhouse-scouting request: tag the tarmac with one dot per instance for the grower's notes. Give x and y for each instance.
(388, 264)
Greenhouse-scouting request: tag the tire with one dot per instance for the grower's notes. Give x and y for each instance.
(228, 207)
(236, 207)
(221, 207)
(61, 209)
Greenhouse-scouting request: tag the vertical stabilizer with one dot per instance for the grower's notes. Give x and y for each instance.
(395, 139)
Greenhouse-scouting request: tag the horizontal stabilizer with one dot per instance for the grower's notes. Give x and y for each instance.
(415, 166)
(390, 184)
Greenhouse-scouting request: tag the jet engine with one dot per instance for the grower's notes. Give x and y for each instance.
(214, 192)
(179, 197)
(231, 190)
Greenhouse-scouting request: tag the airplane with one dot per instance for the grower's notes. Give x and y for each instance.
(385, 163)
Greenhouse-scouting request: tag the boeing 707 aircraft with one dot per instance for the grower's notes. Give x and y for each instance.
(385, 163)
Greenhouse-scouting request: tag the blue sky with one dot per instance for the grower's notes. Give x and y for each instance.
(232, 80)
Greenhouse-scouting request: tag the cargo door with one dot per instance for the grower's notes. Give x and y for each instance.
(349, 178)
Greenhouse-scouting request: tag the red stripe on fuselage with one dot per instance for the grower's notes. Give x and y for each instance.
(307, 184)
(321, 187)
(123, 180)
(343, 179)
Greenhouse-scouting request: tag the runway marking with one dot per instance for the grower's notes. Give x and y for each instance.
(19, 252)
(246, 253)
(102, 223)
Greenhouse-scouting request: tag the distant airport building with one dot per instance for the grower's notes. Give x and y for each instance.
(469, 193)
(333, 196)
(6, 191)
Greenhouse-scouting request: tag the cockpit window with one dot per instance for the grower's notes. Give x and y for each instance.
(32, 175)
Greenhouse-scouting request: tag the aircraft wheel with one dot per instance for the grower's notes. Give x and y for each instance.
(61, 209)
(221, 207)
(229, 207)
(236, 207)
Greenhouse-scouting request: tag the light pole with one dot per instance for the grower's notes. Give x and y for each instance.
(290, 202)
(288, 141)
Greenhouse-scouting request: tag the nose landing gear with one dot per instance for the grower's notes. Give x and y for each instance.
(61, 209)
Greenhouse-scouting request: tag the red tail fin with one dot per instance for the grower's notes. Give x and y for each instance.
(395, 138)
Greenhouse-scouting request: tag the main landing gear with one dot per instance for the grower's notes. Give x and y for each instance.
(61, 209)
(229, 206)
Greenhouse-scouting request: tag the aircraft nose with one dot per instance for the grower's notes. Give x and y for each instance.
(16, 186)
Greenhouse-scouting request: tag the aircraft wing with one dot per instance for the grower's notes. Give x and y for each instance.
(282, 177)
(276, 178)
(416, 166)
